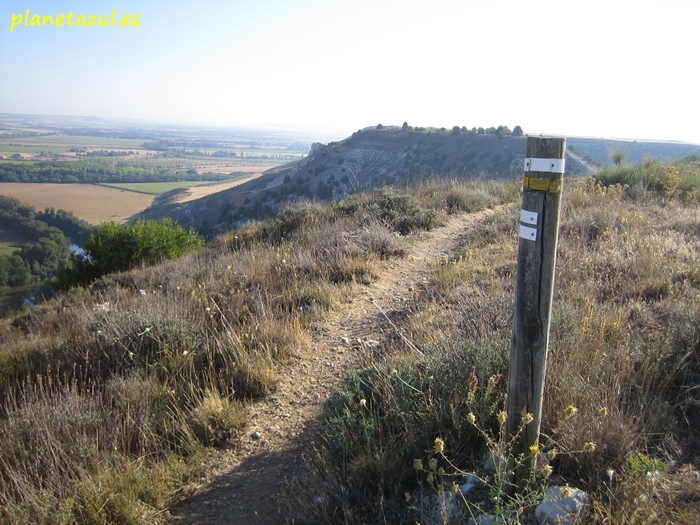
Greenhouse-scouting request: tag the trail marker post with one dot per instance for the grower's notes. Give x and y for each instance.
(539, 231)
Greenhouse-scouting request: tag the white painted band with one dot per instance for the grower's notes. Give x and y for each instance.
(528, 233)
(528, 217)
(546, 165)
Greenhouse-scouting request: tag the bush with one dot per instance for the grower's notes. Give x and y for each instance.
(678, 180)
(117, 247)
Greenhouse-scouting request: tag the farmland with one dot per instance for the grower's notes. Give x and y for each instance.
(90, 202)
(154, 188)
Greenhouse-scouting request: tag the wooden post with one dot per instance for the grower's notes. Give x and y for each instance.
(539, 230)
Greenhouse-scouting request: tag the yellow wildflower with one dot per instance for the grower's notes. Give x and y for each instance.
(547, 471)
(528, 418)
(502, 416)
(471, 418)
(589, 446)
(570, 411)
(439, 445)
(535, 449)
(603, 411)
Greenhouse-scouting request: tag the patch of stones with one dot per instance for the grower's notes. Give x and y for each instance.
(560, 506)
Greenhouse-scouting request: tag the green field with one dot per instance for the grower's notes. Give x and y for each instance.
(32, 149)
(155, 188)
(82, 140)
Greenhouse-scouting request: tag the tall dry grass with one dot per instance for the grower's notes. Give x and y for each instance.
(624, 351)
(110, 394)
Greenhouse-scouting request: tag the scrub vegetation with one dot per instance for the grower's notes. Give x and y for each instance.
(112, 393)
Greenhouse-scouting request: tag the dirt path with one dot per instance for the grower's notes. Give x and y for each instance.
(244, 481)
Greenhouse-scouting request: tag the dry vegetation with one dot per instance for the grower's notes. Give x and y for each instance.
(625, 352)
(111, 394)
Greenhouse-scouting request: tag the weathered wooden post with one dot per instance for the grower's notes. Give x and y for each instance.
(539, 230)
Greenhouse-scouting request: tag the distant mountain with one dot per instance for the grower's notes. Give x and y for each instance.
(372, 157)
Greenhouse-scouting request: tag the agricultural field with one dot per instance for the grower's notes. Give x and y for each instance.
(90, 202)
(74, 141)
(195, 189)
(155, 188)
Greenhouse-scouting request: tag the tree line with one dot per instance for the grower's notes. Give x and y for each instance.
(87, 171)
(48, 235)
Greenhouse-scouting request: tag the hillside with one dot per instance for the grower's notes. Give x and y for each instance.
(369, 158)
(373, 157)
(303, 367)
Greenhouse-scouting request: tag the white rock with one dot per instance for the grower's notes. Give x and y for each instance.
(562, 506)
(470, 482)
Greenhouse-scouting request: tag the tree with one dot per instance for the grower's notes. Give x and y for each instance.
(517, 131)
(617, 154)
(46, 256)
(405, 126)
(456, 130)
(114, 247)
(379, 126)
(13, 271)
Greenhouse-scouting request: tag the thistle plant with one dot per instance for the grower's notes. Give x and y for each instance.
(501, 465)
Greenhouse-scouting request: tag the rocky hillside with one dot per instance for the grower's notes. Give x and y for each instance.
(372, 157)
(369, 157)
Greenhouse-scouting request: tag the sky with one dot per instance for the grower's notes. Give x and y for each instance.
(612, 68)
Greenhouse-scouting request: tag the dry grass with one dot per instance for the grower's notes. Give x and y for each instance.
(105, 390)
(624, 350)
(110, 394)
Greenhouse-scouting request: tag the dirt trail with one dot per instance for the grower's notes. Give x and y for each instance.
(243, 482)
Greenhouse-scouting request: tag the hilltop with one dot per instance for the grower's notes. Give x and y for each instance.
(378, 156)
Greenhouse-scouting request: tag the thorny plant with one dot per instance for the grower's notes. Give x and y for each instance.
(500, 469)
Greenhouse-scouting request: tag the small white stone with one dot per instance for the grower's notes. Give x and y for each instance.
(562, 506)
(256, 435)
(470, 482)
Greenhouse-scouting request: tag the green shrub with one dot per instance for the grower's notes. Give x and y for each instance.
(114, 247)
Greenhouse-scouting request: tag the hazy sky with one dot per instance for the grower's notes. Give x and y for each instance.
(585, 67)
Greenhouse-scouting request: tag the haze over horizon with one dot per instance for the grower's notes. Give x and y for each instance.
(615, 69)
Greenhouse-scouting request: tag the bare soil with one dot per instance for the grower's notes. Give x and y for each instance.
(197, 192)
(243, 481)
